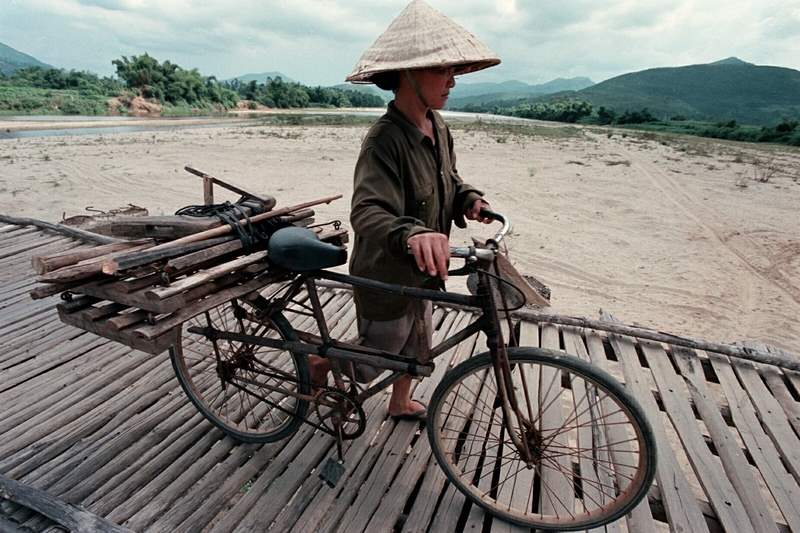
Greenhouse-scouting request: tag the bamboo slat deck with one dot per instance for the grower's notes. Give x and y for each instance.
(107, 428)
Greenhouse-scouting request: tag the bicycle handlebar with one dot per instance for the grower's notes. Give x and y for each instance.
(484, 254)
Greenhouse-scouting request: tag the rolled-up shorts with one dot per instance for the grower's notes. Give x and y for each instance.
(409, 335)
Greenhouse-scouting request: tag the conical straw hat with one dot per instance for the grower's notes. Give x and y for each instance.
(421, 37)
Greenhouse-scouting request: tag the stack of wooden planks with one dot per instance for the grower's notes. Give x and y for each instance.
(139, 292)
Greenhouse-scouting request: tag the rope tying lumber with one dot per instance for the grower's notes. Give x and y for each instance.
(252, 236)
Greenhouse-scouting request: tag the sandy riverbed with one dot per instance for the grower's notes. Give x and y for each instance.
(671, 233)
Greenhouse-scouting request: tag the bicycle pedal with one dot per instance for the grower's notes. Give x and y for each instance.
(331, 472)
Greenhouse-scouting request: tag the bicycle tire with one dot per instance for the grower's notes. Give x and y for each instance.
(600, 482)
(242, 414)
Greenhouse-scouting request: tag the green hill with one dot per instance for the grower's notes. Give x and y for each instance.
(12, 60)
(730, 89)
(464, 94)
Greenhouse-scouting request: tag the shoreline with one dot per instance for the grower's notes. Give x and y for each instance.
(14, 123)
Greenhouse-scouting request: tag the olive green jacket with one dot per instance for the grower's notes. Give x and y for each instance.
(403, 186)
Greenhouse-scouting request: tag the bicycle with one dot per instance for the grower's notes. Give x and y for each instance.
(537, 437)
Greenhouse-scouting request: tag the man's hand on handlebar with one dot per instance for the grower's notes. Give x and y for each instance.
(431, 252)
(473, 212)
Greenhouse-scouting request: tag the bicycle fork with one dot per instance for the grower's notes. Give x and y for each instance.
(502, 373)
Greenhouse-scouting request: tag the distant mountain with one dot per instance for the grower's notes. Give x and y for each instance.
(262, 77)
(11, 60)
(730, 61)
(478, 93)
(730, 89)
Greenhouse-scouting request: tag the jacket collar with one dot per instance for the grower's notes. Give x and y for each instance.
(413, 133)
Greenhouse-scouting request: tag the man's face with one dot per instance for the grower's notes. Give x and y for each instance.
(435, 85)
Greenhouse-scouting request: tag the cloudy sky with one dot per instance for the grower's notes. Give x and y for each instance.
(319, 41)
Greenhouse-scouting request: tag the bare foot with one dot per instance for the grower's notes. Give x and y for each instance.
(318, 368)
(409, 407)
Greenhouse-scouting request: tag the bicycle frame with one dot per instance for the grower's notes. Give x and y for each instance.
(336, 351)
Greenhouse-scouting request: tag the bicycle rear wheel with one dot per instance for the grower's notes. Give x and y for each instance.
(592, 452)
(246, 390)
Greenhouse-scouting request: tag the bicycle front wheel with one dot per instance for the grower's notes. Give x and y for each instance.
(581, 454)
(247, 390)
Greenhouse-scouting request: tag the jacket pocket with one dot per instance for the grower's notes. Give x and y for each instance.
(424, 207)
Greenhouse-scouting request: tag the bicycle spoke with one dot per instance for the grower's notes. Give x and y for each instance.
(247, 388)
(574, 475)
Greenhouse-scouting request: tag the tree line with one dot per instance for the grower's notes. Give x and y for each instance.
(32, 88)
(578, 111)
(276, 92)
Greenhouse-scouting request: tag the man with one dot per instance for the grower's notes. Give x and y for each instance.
(407, 192)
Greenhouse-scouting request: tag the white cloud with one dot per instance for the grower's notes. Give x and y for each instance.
(318, 41)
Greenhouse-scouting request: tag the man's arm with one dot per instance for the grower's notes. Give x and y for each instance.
(378, 202)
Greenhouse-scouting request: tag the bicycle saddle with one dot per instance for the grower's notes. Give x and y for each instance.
(299, 250)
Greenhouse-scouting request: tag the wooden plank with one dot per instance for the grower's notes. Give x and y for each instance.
(205, 276)
(125, 320)
(185, 313)
(641, 517)
(377, 512)
(557, 495)
(153, 346)
(102, 311)
(145, 257)
(772, 416)
(331, 505)
(93, 460)
(35, 344)
(354, 489)
(197, 506)
(179, 449)
(48, 263)
(157, 497)
(111, 452)
(119, 292)
(69, 516)
(27, 245)
(477, 517)
(520, 491)
(763, 451)
(73, 348)
(490, 424)
(724, 499)
(79, 380)
(201, 257)
(680, 504)
(779, 388)
(248, 512)
(597, 478)
(162, 491)
(85, 269)
(733, 460)
(73, 422)
(374, 487)
(781, 359)
(58, 228)
(224, 230)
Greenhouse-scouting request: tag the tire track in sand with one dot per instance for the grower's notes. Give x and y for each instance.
(688, 206)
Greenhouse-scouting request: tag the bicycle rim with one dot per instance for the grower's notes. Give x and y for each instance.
(592, 452)
(246, 390)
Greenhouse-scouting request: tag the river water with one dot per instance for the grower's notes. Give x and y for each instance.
(138, 124)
